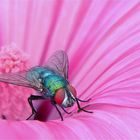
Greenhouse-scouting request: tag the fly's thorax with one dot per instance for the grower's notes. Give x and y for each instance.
(54, 82)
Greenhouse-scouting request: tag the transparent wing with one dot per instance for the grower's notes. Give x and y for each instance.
(26, 78)
(59, 62)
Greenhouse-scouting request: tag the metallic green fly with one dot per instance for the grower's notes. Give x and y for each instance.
(51, 81)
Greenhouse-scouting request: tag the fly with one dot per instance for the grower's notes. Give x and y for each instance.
(51, 81)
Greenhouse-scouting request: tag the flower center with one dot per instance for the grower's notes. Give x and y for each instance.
(13, 99)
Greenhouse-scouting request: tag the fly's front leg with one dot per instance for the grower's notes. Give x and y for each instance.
(65, 110)
(83, 100)
(54, 104)
(30, 99)
(82, 108)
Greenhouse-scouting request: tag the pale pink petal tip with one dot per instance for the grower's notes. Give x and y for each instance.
(13, 99)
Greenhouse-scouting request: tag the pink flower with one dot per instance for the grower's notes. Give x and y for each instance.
(102, 40)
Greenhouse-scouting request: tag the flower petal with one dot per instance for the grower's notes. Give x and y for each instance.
(107, 122)
(102, 41)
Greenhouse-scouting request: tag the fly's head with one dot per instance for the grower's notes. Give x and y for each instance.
(65, 97)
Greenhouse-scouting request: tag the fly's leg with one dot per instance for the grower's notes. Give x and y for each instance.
(65, 110)
(81, 108)
(83, 100)
(54, 104)
(30, 99)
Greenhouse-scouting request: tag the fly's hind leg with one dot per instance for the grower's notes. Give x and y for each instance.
(30, 99)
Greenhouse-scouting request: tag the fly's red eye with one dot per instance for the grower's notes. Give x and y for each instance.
(59, 96)
(72, 90)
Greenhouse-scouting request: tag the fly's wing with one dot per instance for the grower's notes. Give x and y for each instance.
(25, 78)
(59, 63)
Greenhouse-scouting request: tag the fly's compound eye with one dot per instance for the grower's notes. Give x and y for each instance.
(59, 96)
(72, 90)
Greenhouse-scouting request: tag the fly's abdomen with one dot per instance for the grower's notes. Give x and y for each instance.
(54, 82)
